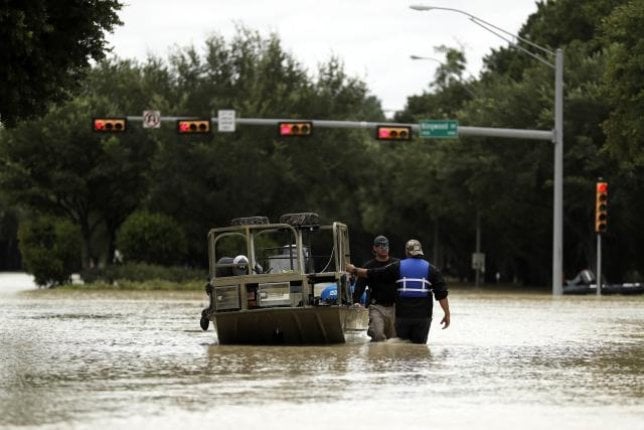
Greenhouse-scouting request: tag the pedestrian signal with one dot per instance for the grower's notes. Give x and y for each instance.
(601, 207)
(295, 128)
(109, 125)
(384, 132)
(193, 126)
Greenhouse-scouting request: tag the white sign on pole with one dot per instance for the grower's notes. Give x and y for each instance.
(226, 120)
(151, 119)
(478, 261)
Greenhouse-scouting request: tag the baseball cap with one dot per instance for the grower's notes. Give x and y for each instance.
(381, 241)
(413, 247)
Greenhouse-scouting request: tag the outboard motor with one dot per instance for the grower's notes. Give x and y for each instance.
(584, 277)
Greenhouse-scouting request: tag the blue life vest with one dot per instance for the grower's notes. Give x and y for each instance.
(413, 280)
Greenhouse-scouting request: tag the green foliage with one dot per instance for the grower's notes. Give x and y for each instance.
(9, 253)
(46, 48)
(57, 165)
(151, 238)
(623, 35)
(50, 249)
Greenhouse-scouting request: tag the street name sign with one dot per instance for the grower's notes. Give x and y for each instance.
(442, 129)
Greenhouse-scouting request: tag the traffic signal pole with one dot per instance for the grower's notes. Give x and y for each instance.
(601, 224)
(511, 133)
(599, 264)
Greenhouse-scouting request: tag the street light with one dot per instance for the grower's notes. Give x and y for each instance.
(557, 242)
(465, 86)
(418, 57)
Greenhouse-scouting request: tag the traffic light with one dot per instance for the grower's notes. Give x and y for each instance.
(109, 125)
(193, 126)
(295, 128)
(601, 207)
(385, 132)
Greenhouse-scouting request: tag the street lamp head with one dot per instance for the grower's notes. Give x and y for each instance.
(418, 57)
(420, 7)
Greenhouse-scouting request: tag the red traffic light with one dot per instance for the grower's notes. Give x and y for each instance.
(109, 125)
(295, 128)
(601, 207)
(193, 126)
(384, 132)
(602, 187)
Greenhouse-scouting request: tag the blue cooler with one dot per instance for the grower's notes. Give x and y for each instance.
(329, 294)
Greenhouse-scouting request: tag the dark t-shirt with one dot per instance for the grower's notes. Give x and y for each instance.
(417, 307)
(380, 292)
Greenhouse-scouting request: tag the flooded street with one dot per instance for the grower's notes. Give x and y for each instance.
(97, 360)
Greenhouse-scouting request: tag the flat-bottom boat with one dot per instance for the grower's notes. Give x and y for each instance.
(608, 289)
(586, 283)
(281, 283)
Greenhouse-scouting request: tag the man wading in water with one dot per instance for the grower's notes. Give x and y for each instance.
(381, 294)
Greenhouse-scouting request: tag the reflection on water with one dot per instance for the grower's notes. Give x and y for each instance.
(139, 360)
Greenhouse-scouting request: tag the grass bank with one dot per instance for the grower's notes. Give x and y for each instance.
(127, 285)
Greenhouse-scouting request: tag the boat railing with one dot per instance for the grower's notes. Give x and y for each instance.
(287, 274)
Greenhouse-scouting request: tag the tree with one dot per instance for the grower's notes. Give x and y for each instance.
(56, 165)
(9, 253)
(46, 49)
(50, 249)
(151, 238)
(623, 36)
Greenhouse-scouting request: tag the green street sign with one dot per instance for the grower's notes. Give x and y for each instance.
(442, 129)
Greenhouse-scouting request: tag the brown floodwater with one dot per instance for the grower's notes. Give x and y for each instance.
(98, 360)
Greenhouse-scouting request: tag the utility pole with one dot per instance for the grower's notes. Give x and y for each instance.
(478, 246)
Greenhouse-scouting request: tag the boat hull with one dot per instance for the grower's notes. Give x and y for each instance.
(607, 289)
(290, 326)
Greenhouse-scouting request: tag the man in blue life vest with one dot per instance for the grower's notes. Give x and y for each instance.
(417, 281)
(381, 295)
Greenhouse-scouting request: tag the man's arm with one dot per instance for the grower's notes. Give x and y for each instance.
(389, 272)
(440, 293)
(446, 318)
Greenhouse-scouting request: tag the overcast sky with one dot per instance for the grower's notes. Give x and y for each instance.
(374, 38)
